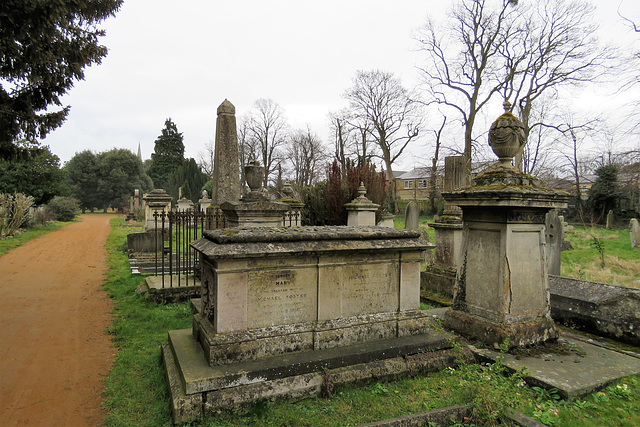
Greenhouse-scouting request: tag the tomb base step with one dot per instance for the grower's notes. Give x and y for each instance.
(199, 390)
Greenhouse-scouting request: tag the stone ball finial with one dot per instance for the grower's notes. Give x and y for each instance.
(506, 135)
(226, 108)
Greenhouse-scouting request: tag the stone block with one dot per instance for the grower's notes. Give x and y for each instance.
(634, 229)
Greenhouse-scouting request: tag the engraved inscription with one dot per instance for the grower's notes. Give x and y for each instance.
(279, 297)
(370, 288)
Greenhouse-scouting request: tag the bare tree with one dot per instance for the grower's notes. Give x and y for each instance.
(267, 129)
(205, 158)
(554, 45)
(247, 146)
(570, 147)
(463, 67)
(434, 165)
(307, 156)
(386, 113)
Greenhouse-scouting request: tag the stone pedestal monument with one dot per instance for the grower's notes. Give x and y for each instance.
(156, 201)
(254, 209)
(502, 287)
(361, 211)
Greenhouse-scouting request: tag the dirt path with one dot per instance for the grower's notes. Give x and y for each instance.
(54, 352)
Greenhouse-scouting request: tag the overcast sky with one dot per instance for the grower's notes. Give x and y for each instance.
(182, 59)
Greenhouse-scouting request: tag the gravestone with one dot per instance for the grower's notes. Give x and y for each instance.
(610, 218)
(204, 202)
(361, 211)
(185, 204)
(283, 308)
(226, 175)
(156, 202)
(554, 238)
(634, 229)
(386, 219)
(411, 216)
(255, 209)
(502, 285)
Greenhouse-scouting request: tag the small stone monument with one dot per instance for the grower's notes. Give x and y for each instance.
(361, 211)
(386, 219)
(294, 216)
(226, 170)
(411, 216)
(254, 209)
(502, 285)
(610, 218)
(554, 237)
(634, 228)
(157, 201)
(205, 201)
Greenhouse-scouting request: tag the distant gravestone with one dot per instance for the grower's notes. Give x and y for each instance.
(553, 237)
(634, 227)
(411, 216)
(226, 176)
(609, 220)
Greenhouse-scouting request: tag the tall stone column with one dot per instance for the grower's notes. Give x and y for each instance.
(226, 169)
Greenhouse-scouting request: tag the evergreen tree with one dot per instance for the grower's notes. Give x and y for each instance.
(119, 173)
(83, 177)
(44, 48)
(190, 177)
(604, 194)
(167, 156)
(35, 173)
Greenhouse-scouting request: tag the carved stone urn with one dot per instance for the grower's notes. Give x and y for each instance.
(254, 173)
(506, 135)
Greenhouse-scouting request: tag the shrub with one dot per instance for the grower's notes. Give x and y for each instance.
(14, 209)
(63, 208)
(38, 217)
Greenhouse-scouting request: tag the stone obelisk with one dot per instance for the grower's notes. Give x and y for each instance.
(226, 170)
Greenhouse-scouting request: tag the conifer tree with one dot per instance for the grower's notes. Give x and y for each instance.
(167, 156)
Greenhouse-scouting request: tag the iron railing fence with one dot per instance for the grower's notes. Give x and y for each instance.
(177, 229)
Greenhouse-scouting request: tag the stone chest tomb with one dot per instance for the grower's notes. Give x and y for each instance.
(286, 311)
(268, 290)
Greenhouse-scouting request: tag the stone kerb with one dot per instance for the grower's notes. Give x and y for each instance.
(268, 291)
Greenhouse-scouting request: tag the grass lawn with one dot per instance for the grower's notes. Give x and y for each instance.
(602, 256)
(137, 395)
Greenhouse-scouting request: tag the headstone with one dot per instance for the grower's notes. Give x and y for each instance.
(635, 233)
(554, 238)
(411, 216)
(361, 211)
(226, 170)
(610, 218)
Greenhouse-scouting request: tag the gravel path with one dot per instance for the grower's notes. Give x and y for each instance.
(54, 350)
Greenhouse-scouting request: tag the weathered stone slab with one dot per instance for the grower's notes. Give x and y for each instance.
(634, 229)
(200, 389)
(411, 216)
(554, 239)
(610, 218)
(586, 369)
(599, 308)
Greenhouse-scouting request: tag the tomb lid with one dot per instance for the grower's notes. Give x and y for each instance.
(297, 234)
